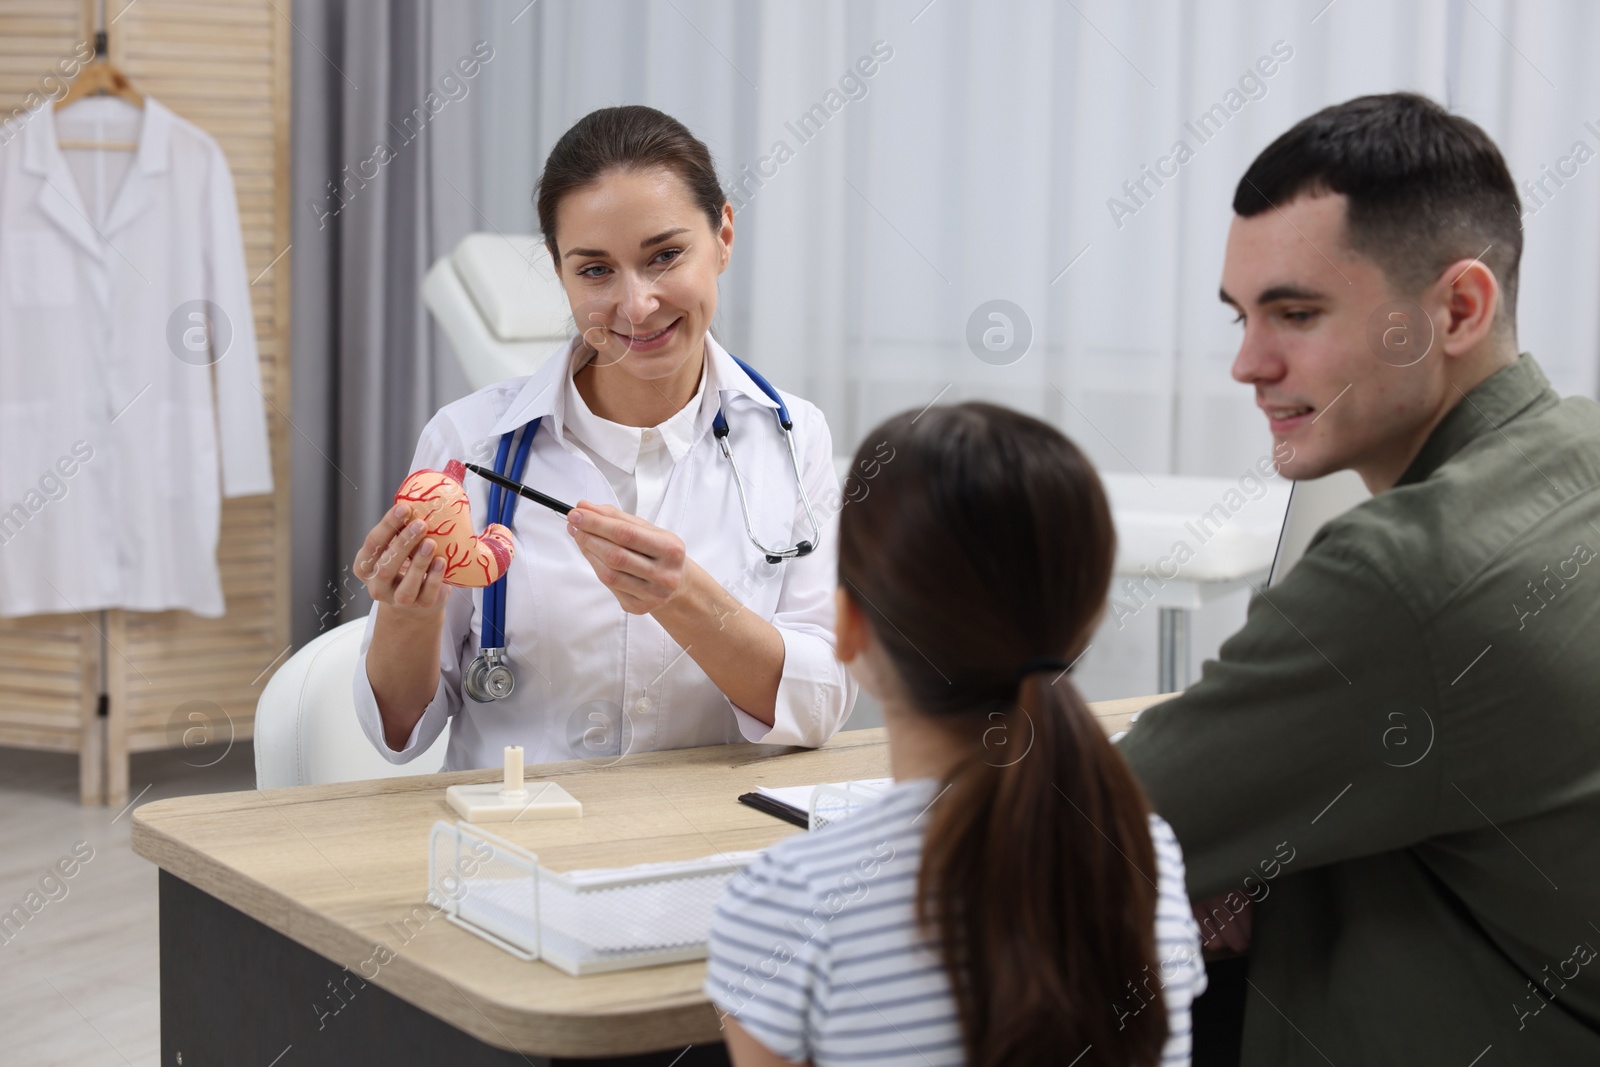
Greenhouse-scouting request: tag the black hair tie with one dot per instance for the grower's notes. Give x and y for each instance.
(1043, 663)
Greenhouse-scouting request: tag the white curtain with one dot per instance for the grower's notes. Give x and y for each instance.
(982, 160)
(979, 164)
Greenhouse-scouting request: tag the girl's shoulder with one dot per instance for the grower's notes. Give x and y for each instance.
(1169, 854)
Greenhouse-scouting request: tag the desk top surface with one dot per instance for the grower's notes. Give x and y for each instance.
(343, 869)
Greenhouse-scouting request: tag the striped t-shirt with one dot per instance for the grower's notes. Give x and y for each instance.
(815, 951)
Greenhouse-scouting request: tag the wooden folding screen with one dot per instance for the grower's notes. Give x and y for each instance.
(173, 679)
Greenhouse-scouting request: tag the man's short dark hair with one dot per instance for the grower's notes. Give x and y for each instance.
(1425, 188)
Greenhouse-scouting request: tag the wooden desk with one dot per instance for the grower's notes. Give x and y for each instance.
(275, 905)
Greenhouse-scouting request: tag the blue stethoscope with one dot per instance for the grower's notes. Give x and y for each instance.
(488, 677)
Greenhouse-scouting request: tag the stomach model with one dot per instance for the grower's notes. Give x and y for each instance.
(438, 498)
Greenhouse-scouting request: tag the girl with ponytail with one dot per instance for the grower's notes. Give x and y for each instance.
(1010, 900)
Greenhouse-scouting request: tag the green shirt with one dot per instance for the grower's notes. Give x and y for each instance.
(1398, 758)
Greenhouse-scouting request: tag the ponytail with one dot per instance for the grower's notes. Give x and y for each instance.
(1038, 883)
(985, 544)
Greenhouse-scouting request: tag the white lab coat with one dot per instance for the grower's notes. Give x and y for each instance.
(111, 446)
(592, 681)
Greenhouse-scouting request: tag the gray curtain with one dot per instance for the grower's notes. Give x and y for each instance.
(385, 152)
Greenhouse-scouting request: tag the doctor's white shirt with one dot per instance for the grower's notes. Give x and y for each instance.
(593, 681)
(636, 462)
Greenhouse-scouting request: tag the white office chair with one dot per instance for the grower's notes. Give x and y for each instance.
(1312, 505)
(306, 731)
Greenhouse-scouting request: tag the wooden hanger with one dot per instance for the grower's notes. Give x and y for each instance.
(101, 78)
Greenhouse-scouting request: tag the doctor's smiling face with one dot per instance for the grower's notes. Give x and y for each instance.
(639, 230)
(639, 260)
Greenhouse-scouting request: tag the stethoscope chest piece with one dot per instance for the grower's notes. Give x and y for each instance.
(489, 677)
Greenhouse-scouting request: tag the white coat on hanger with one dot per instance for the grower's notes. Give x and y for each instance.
(115, 448)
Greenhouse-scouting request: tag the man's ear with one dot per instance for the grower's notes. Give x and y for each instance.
(849, 627)
(1467, 296)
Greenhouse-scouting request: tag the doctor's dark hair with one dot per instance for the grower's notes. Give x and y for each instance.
(986, 541)
(633, 137)
(1425, 188)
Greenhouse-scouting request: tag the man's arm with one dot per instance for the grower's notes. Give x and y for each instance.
(1308, 741)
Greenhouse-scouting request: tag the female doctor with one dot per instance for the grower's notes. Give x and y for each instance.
(647, 617)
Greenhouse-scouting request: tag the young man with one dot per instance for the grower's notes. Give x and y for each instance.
(1395, 764)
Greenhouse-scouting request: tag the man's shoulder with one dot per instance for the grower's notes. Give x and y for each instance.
(1510, 497)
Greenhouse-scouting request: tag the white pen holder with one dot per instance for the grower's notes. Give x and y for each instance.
(512, 798)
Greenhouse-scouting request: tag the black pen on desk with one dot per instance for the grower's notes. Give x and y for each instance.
(521, 490)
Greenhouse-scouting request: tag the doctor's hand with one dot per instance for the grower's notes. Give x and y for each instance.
(649, 571)
(399, 567)
(644, 566)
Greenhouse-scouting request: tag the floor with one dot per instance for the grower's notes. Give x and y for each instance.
(79, 979)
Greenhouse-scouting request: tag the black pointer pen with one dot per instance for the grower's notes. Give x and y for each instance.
(517, 487)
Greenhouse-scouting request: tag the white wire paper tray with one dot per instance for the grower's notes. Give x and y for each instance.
(581, 922)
